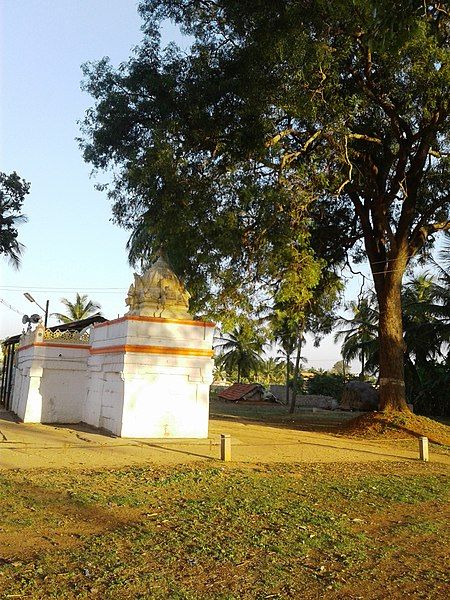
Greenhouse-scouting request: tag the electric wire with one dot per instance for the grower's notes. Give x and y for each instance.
(59, 289)
(9, 306)
(108, 290)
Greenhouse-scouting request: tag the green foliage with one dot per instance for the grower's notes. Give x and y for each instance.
(428, 388)
(426, 317)
(444, 255)
(341, 367)
(271, 370)
(274, 109)
(290, 321)
(426, 324)
(82, 308)
(219, 372)
(13, 190)
(240, 350)
(206, 532)
(288, 136)
(360, 334)
(326, 384)
(228, 226)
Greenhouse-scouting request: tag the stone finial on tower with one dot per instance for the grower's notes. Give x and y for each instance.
(158, 293)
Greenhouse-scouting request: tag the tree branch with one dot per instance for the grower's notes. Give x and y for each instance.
(288, 158)
(366, 138)
(422, 234)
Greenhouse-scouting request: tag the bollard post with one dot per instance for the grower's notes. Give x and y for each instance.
(225, 447)
(423, 448)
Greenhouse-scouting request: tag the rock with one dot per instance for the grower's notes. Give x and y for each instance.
(359, 395)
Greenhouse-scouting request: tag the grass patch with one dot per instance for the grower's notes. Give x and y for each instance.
(285, 531)
(272, 413)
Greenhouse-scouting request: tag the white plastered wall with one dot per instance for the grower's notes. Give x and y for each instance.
(150, 378)
(50, 383)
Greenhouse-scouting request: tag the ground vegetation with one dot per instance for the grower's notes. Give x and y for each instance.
(209, 532)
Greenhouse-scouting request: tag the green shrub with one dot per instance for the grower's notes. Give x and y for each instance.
(326, 384)
(428, 388)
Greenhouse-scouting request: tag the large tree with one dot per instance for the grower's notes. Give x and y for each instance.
(13, 190)
(287, 125)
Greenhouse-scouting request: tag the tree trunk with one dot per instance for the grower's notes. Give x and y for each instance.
(296, 372)
(288, 362)
(391, 346)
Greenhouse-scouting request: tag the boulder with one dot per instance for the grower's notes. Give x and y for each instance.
(359, 395)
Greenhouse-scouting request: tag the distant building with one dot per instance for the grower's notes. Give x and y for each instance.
(242, 392)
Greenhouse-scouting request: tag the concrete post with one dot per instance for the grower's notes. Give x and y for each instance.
(225, 447)
(423, 448)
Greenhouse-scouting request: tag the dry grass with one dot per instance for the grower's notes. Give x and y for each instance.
(395, 425)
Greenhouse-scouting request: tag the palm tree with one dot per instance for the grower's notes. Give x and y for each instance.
(426, 317)
(360, 333)
(78, 310)
(444, 254)
(426, 325)
(240, 350)
(271, 371)
(287, 337)
(219, 372)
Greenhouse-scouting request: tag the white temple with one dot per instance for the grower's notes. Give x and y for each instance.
(144, 375)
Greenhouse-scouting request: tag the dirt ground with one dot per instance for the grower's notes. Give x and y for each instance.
(28, 446)
(303, 510)
(338, 531)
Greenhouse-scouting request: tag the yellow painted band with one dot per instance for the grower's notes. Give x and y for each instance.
(153, 350)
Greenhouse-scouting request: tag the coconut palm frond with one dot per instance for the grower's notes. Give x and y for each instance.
(82, 308)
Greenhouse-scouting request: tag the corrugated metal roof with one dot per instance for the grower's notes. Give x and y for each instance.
(238, 391)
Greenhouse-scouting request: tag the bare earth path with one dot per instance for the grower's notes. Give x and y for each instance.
(26, 446)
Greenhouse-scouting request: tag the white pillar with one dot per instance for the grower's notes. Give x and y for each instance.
(423, 448)
(225, 447)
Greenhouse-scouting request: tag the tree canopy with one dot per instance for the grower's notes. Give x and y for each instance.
(13, 190)
(289, 135)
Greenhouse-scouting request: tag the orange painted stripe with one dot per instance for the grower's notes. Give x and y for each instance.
(47, 345)
(153, 350)
(156, 320)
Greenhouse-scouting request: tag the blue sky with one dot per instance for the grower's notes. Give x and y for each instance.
(71, 245)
